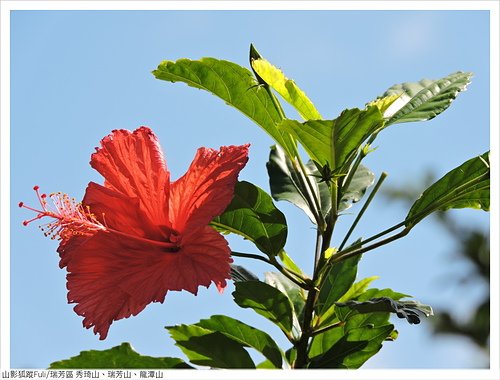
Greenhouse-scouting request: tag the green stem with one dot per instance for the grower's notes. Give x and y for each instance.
(345, 255)
(363, 209)
(326, 328)
(313, 201)
(299, 280)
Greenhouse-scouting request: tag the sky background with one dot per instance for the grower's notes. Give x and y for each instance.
(77, 75)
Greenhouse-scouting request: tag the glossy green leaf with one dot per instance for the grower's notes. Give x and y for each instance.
(357, 288)
(210, 348)
(411, 310)
(339, 280)
(295, 294)
(426, 99)
(252, 215)
(357, 337)
(354, 348)
(287, 88)
(247, 335)
(465, 186)
(233, 84)
(334, 143)
(122, 356)
(267, 301)
(288, 262)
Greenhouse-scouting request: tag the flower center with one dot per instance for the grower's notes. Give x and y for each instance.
(69, 217)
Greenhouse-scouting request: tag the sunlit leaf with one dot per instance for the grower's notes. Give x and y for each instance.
(287, 88)
(339, 280)
(424, 100)
(354, 348)
(252, 215)
(210, 348)
(465, 186)
(334, 143)
(122, 356)
(233, 84)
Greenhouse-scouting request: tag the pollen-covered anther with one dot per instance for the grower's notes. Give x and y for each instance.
(69, 217)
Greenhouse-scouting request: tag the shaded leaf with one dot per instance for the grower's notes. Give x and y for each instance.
(465, 186)
(247, 335)
(122, 356)
(252, 214)
(287, 88)
(233, 84)
(295, 294)
(210, 348)
(240, 273)
(362, 179)
(287, 183)
(267, 301)
(403, 309)
(334, 143)
(426, 99)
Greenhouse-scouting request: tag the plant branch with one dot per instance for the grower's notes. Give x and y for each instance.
(363, 209)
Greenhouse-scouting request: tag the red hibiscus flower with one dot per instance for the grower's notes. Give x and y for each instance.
(140, 235)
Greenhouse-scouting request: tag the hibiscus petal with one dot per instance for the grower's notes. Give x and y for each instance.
(207, 187)
(112, 276)
(132, 164)
(122, 213)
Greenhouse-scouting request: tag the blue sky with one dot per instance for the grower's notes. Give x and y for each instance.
(77, 75)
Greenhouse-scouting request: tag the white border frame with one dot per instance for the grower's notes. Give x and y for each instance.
(493, 6)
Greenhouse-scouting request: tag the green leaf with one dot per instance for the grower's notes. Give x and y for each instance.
(426, 99)
(357, 288)
(240, 273)
(289, 263)
(355, 319)
(210, 348)
(295, 294)
(247, 335)
(354, 348)
(334, 143)
(404, 309)
(287, 88)
(122, 356)
(233, 84)
(267, 301)
(362, 179)
(465, 186)
(252, 214)
(339, 280)
(287, 184)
